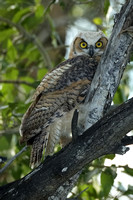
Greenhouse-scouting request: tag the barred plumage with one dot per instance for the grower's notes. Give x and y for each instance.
(48, 119)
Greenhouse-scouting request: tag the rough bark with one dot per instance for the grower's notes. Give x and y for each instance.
(102, 138)
(111, 67)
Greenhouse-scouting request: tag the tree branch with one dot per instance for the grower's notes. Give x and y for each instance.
(127, 140)
(110, 69)
(16, 82)
(10, 131)
(48, 7)
(101, 139)
(12, 159)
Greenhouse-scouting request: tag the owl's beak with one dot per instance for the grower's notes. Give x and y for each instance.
(91, 50)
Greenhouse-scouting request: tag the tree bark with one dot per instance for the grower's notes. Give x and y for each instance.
(102, 138)
(110, 69)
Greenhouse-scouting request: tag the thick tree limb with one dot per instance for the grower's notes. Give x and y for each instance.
(110, 69)
(102, 138)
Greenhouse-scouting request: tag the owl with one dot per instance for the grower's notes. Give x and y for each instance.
(47, 121)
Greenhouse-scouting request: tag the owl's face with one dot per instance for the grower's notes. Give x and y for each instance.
(89, 43)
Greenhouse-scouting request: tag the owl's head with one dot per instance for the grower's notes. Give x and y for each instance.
(89, 43)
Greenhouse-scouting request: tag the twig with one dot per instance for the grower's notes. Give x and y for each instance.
(42, 51)
(12, 159)
(82, 191)
(76, 198)
(9, 131)
(74, 125)
(48, 7)
(30, 38)
(58, 47)
(16, 82)
(84, 2)
(127, 140)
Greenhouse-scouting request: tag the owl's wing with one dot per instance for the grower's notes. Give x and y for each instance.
(51, 79)
(49, 107)
(64, 74)
(58, 93)
(59, 88)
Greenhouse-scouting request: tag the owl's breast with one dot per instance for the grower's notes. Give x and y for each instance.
(81, 68)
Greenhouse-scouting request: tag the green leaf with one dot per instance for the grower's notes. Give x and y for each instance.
(1, 94)
(31, 54)
(129, 190)
(107, 181)
(128, 170)
(35, 84)
(110, 156)
(7, 90)
(21, 108)
(106, 6)
(41, 73)
(119, 96)
(4, 145)
(20, 14)
(11, 74)
(37, 1)
(16, 172)
(89, 192)
(11, 53)
(5, 34)
(97, 20)
(39, 11)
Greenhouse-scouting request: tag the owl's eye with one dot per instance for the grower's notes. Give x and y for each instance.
(99, 44)
(83, 45)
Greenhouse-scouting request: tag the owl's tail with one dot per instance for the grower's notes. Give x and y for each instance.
(38, 145)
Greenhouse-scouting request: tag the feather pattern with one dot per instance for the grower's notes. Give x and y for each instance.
(48, 119)
(58, 93)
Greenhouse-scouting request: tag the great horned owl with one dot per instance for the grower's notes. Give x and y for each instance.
(48, 119)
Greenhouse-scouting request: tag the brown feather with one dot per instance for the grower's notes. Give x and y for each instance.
(48, 119)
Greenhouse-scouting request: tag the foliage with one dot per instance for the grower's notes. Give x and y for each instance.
(31, 43)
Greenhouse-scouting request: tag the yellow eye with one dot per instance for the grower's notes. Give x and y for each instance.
(99, 44)
(83, 45)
